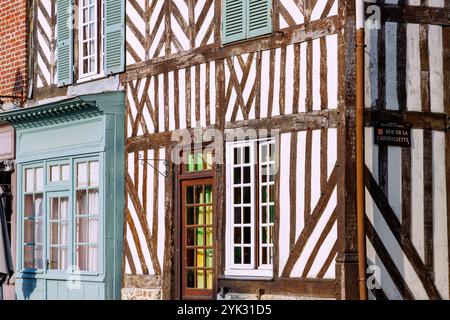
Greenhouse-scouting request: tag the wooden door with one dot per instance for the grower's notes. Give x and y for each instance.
(197, 249)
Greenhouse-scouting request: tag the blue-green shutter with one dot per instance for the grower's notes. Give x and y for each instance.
(259, 17)
(114, 36)
(64, 62)
(233, 20)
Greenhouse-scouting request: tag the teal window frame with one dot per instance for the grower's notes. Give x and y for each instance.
(56, 189)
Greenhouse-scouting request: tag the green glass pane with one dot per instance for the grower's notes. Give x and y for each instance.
(263, 214)
(190, 216)
(209, 236)
(264, 194)
(199, 236)
(272, 213)
(200, 258)
(208, 193)
(200, 215)
(200, 279)
(209, 215)
(198, 162)
(209, 258)
(209, 279)
(237, 255)
(189, 195)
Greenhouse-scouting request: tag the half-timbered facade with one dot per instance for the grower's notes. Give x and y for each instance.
(225, 130)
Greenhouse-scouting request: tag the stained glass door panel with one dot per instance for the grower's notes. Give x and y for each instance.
(197, 239)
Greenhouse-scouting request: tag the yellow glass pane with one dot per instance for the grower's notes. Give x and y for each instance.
(200, 258)
(209, 237)
(200, 279)
(208, 193)
(200, 215)
(209, 279)
(209, 214)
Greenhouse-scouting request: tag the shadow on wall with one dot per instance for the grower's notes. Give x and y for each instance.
(19, 82)
(28, 286)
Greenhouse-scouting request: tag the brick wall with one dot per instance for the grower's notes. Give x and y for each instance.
(13, 46)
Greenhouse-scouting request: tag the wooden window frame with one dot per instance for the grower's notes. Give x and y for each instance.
(255, 269)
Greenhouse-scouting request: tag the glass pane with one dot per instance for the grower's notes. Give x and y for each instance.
(54, 258)
(64, 233)
(28, 206)
(272, 193)
(209, 236)
(237, 255)
(190, 257)
(237, 175)
(28, 232)
(39, 231)
(237, 195)
(264, 194)
(264, 173)
(247, 155)
(93, 174)
(237, 156)
(208, 158)
(237, 235)
(247, 214)
(63, 258)
(93, 202)
(247, 195)
(209, 258)
(189, 195)
(246, 174)
(190, 278)
(54, 233)
(198, 162)
(200, 258)
(237, 215)
(199, 232)
(87, 258)
(39, 179)
(272, 152)
(65, 172)
(38, 205)
(264, 255)
(190, 216)
(263, 214)
(28, 257)
(190, 163)
(209, 279)
(264, 234)
(29, 180)
(87, 230)
(54, 206)
(247, 235)
(198, 194)
(200, 279)
(54, 173)
(272, 213)
(81, 202)
(200, 215)
(247, 255)
(209, 214)
(190, 236)
(82, 174)
(263, 153)
(39, 256)
(63, 208)
(208, 194)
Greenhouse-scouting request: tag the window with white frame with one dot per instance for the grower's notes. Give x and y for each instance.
(91, 37)
(251, 211)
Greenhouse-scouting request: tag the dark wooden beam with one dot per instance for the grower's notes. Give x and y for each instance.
(320, 288)
(413, 14)
(313, 30)
(419, 120)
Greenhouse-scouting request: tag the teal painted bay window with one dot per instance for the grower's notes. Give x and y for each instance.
(70, 198)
